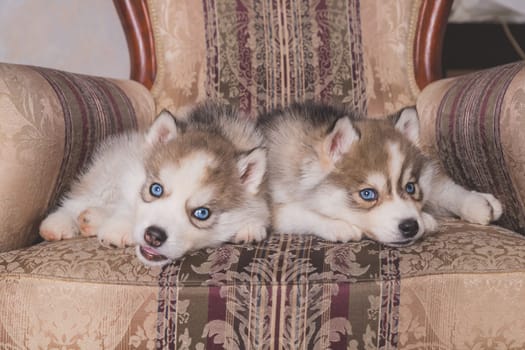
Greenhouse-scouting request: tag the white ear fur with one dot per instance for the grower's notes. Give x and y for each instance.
(252, 167)
(163, 129)
(340, 139)
(408, 124)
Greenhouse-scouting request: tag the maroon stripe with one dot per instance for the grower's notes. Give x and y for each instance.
(216, 311)
(323, 52)
(451, 127)
(339, 308)
(86, 130)
(58, 80)
(469, 137)
(245, 58)
(69, 100)
(90, 106)
(116, 115)
(356, 52)
(276, 300)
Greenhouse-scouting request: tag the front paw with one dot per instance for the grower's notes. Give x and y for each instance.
(90, 221)
(481, 208)
(341, 232)
(429, 223)
(116, 234)
(250, 233)
(58, 226)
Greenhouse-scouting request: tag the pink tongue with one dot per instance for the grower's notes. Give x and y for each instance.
(151, 254)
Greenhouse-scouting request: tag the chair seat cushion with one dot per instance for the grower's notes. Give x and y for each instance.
(288, 289)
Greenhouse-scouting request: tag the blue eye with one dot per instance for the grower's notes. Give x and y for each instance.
(156, 190)
(201, 213)
(410, 188)
(368, 194)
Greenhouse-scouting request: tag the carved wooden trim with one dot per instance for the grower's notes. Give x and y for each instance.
(428, 46)
(135, 20)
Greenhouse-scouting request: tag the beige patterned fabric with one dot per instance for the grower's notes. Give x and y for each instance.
(427, 107)
(379, 36)
(35, 136)
(76, 295)
(178, 28)
(460, 288)
(464, 290)
(29, 145)
(463, 311)
(389, 29)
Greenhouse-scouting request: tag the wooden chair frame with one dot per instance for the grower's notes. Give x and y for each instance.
(428, 44)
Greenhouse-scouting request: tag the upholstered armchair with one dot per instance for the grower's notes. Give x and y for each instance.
(462, 287)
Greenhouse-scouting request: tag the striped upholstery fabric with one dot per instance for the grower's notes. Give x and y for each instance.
(259, 54)
(288, 292)
(263, 54)
(474, 125)
(93, 108)
(297, 290)
(51, 122)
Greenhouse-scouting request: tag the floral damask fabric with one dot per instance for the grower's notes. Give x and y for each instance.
(465, 290)
(295, 292)
(388, 34)
(261, 54)
(260, 297)
(473, 125)
(459, 288)
(50, 123)
(75, 294)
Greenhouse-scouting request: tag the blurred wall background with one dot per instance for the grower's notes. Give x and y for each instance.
(81, 36)
(85, 36)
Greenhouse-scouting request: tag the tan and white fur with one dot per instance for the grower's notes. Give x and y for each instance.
(342, 177)
(185, 184)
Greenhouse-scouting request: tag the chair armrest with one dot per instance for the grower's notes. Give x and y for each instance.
(50, 123)
(475, 125)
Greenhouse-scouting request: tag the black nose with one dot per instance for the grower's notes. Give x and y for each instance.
(409, 228)
(155, 236)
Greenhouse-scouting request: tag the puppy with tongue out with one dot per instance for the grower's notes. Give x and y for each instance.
(203, 186)
(184, 184)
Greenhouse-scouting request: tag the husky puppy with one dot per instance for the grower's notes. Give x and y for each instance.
(340, 176)
(183, 185)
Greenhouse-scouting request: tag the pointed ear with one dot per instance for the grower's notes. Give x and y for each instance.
(252, 167)
(163, 129)
(340, 139)
(408, 124)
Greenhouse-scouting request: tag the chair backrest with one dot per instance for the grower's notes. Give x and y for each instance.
(374, 56)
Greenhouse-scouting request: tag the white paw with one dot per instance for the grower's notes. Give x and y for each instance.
(481, 208)
(340, 231)
(90, 220)
(429, 223)
(57, 226)
(116, 234)
(250, 233)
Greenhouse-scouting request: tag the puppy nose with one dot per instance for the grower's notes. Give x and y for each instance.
(155, 236)
(409, 228)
